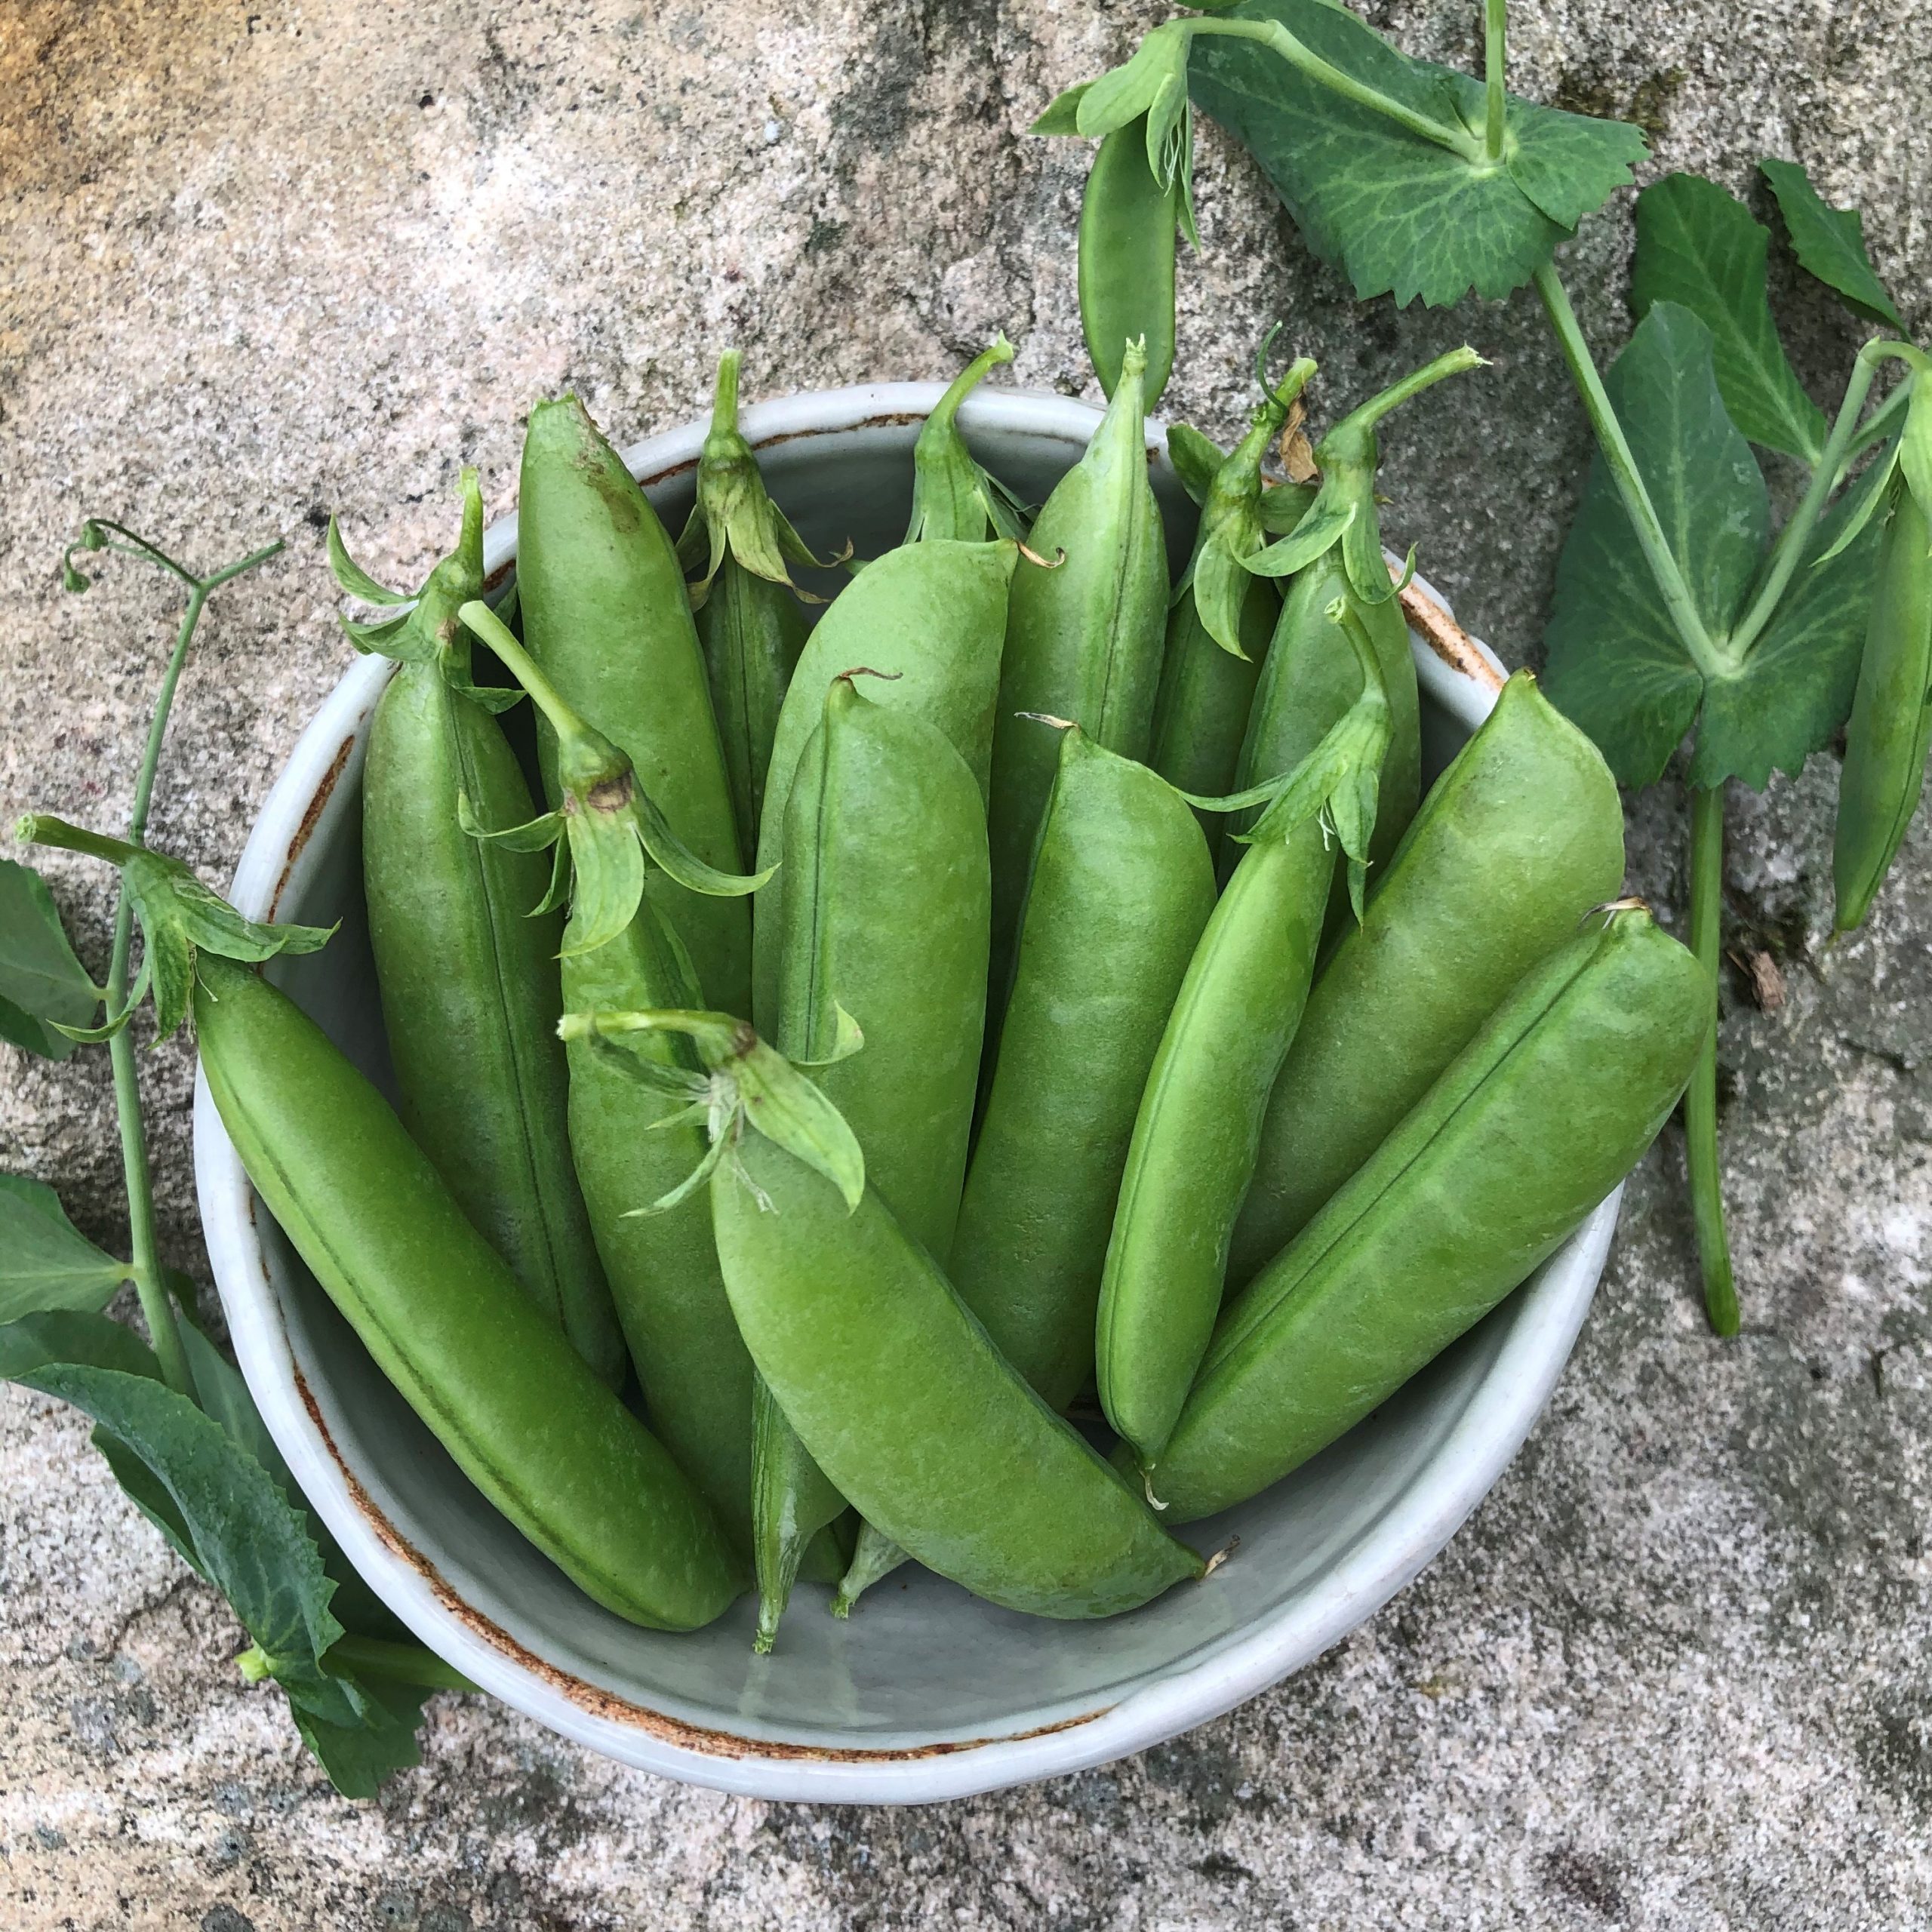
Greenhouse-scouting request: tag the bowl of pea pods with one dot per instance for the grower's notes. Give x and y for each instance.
(973, 1079)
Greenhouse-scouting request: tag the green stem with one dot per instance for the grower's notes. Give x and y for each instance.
(1495, 59)
(150, 1283)
(1273, 34)
(1700, 1098)
(1637, 504)
(401, 1663)
(1358, 422)
(1884, 420)
(1789, 548)
(484, 623)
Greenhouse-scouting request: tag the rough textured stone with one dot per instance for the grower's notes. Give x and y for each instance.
(257, 265)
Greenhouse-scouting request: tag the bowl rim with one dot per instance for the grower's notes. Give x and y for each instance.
(1469, 1458)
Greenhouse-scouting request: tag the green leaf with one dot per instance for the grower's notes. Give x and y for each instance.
(1829, 243)
(1195, 459)
(352, 577)
(42, 985)
(1795, 688)
(1063, 115)
(73, 1335)
(357, 1756)
(1698, 247)
(45, 1261)
(1400, 213)
(1616, 664)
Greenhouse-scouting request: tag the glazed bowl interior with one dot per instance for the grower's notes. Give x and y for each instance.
(926, 1691)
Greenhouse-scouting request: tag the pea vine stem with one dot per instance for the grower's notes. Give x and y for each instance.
(1700, 1098)
(150, 1283)
(1272, 34)
(1789, 552)
(1684, 617)
(1495, 62)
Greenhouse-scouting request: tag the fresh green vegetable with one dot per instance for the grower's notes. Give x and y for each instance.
(930, 619)
(1519, 838)
(606, 614)
(954, 500)
(468, 978)
(749, 624)
(1084, 641)
(1199, 1124)
(1539, 1117)
(1121, 887)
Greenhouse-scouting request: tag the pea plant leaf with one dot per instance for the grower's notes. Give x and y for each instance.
(1795, 688)
(42, 986)
(1699, 247)
(46, 1263)
(230, 1520)
(1616, 664)
(1829, 243)
(1400, 213)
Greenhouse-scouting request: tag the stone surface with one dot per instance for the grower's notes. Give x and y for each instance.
(255, 266)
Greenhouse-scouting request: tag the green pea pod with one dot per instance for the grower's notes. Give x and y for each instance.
(524, 1418)
(930, 618)
(1129, 222)
(1310, 679)
(1199, 1123)
(1084, 641)
(911, 1411)
(1529, 1127)
(1221, 620)
(1519, 838)
(605, 613)
(749, 624)
(662, 1266)
(887, 923)
(953, 497)
(1886, 739)
(886, 926)
(1121, 875)
(468, 981)
(875, 1556)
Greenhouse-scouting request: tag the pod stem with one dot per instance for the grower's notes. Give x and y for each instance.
(1700, 1098)
(725, 397)
(1495, 61)
(482, 622)
(1452, 362)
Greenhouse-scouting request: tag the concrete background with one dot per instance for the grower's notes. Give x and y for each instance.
(260, 260)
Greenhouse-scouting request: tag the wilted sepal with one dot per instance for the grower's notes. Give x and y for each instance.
(1344, 510)
(178, 915)
(733, 513)
(611, 823)
(427, 631)
(750, 1084)
(952, 496)
(1231, 526)
(1338, 781)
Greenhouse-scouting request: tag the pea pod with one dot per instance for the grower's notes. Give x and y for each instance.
(1200, 1120)
(1309, 678)
(1221, 620)
(874, 1556)
(1121, 875)
(524, 1418)
(1139, 191)
(910, 1411)
(663, 1267)
(468, 981)
(1532, 1124)
(887, 924)
(1128, 224)
(1519, 838)
(1084, 641)
(953, 497)
(1890, 725)
(749, 624)
(930, 618)
(606, 614)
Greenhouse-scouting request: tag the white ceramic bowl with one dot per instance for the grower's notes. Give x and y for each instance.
(926, 1693)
